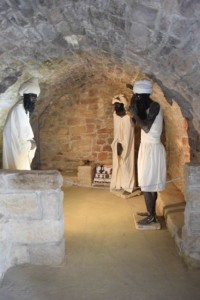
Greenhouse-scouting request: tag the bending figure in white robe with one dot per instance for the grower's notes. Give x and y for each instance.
(123, 166)
(18, 140)
(152, 157)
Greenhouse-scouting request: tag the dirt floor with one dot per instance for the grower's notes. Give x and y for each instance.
(106, 257)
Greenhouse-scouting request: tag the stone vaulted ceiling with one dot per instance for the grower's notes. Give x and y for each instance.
(55, 40)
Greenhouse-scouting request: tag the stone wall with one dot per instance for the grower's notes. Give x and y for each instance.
(81, 130)
(78, 125)
(31, 218)
(159, 38)
(191, 229)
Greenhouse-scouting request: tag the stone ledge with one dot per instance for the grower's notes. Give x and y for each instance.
(175, 222)
(30, 180)
(70, 181)
(70, 177)
(171, 205)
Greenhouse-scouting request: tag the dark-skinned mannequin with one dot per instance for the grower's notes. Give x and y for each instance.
(146, 114)
(140, 103)
(120, 111)
(123, 174)
(29, 101)
(18, 140)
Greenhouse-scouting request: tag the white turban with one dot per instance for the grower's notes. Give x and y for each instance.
(142, 87)
(120, 99)
(30, 86)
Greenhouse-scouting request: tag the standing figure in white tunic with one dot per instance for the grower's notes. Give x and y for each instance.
(123, 167)
(18, 140)
(152, 157)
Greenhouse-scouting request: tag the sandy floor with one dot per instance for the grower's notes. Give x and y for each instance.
(107, 258)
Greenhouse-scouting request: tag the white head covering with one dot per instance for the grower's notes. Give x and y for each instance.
(120, 99)
(30, 86)
(142, 87)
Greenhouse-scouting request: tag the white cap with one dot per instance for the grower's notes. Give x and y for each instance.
(142, 87)
(30, 86)
(120, 99)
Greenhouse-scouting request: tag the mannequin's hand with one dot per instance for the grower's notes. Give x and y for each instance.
(133, 110)
(119, 149)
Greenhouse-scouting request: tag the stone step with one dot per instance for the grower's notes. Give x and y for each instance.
(69, 177)
(171, 205)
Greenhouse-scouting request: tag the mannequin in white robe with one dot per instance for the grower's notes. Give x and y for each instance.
(123, 166)
(152, 157)
(18, 140)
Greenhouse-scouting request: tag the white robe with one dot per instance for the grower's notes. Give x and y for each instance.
(152, 158)
(17, 133)
(123, 167)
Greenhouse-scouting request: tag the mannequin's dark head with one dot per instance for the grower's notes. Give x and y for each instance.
(142, 102)
(119, 109)
(29, 101)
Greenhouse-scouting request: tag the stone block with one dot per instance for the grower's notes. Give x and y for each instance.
(47, 254)
(102, 156)
(188, 10)
(85, 174)
(2, 183)
(20, 205)
(175, 222)
(170, 199)
(31, 217)
(117, 7)
(194, 205)
(18, 254)
(191, 242)
(192, 176)
(192, 260)
(77, 130)
(3, 233)
(35, 232)
(3, 258)
(192, 194)
(84, 170)
(192, 220)
(194, 216)
(195, 227)
(145, 15)
(52, 205)
(4, 252)
(33, 180)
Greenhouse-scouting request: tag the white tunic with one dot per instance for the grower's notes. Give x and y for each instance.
(152, 158)
(123, 172)
(17, 133)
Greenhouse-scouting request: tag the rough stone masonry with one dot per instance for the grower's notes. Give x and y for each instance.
(160, 38)
(31, 218)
